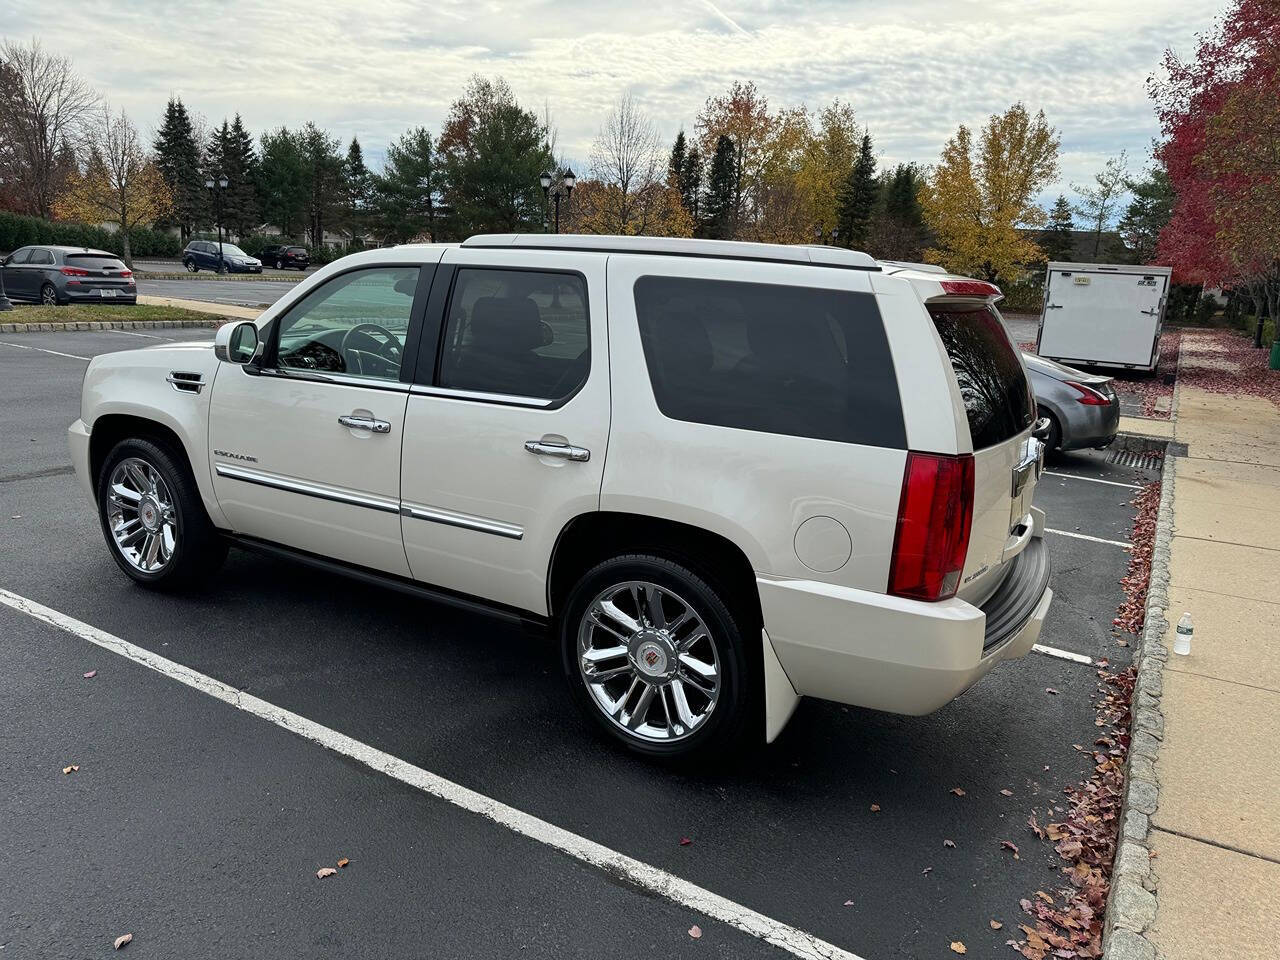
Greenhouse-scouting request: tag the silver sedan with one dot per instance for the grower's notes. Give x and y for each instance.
(1082, 408)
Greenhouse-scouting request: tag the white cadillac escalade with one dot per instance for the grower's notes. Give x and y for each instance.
(727, 475)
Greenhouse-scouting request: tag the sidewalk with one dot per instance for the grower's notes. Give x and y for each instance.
(201, 306)
(1216, 832)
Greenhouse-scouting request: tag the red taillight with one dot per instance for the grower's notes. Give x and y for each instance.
(1088, 396)
(74, 272)
(125, 273)
(935, 515)
(970, 288)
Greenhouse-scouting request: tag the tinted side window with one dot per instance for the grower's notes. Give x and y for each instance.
(779, 359)
(21, 256)
(41, 257)
(997, 398)
(515, 332)
(355, 324)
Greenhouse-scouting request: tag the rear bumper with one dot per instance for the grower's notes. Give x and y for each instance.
(902, 656)
(93, 296)
(1090, 426)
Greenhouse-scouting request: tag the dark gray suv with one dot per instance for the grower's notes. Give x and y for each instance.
(56, 275)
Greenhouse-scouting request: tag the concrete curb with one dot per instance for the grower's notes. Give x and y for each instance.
(1133, 904)
(226, 278)
(104, 325)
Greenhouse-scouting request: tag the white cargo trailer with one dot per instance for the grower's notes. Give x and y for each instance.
(1103, 315)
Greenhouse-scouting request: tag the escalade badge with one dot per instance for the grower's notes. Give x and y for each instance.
(235, 456)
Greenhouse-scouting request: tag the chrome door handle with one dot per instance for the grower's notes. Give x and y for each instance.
(365, 423)
(564, 451)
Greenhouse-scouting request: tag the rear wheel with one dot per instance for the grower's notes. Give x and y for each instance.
(191, 265)
(654, 655)
(49, 295)
(152, 516)
(1054, 441)
(279, 264)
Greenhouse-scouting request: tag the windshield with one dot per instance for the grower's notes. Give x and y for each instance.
(231, 250)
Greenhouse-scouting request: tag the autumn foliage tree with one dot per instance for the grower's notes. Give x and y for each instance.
(980, 195)
(1220, 114)
(119, 184)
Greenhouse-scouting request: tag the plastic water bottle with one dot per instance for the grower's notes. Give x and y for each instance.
(1182, 639)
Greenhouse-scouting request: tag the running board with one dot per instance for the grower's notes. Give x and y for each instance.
(404, 585)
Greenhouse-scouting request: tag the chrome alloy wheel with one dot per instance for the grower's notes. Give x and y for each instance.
(648, 661)
(141, 515)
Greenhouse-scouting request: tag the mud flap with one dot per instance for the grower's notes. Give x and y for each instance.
(780, 697)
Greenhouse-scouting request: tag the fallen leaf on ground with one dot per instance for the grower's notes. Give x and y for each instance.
(957, 791)
(123, 939)
(1050, 690)
(875, 808)
(16, 516)
(343, 862)
(1044, 896)
(1010, 845)
(926, 871)
(1006, 793)
(994, 924)
(695, 931)
(71, 769)
(848, 903)
(91, 674)
(949, 843)
(325, 872)
(685, 841)
(958, 947)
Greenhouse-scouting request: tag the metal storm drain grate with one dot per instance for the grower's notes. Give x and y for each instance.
(1137, 459)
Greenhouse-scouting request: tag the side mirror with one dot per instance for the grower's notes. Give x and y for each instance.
(236, 342)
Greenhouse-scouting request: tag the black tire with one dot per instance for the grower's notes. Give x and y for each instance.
(279, 264)
(49, 295)
(1054, 443)
(737, 717)
(199, 548)
(192, 266)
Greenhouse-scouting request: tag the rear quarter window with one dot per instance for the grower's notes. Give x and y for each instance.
(993, 385)
(800, 361)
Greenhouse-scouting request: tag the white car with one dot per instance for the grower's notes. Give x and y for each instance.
(728, 475)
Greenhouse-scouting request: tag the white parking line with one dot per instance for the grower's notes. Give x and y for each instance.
(648, 878)
(1063, 654)
(20, 346)
(132, 333)
(1085, 536)
(1110, 483)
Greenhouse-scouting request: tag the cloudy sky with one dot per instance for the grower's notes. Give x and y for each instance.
(912, 69)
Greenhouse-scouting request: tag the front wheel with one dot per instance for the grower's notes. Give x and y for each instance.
(152, 516)
(655, 656)
(192, 266)
(279, 264)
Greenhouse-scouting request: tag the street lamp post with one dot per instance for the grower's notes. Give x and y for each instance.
(221, 185)
(561, 183)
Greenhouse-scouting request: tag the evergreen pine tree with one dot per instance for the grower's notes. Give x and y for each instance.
(675, 166)
(857, 200)
(178, 157)
(403, 198)
(356, 175)
(717, 205)
(691, 186)
(1058, 240)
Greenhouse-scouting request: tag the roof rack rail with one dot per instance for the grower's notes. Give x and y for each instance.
(806, 254)
(913, 265)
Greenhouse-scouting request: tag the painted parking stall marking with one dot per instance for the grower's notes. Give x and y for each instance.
(617, 865)
(56, 353)
(1084, 536)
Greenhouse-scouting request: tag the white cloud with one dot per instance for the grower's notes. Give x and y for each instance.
(912, 71)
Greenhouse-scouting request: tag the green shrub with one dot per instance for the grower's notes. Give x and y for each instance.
(1023, 295)
(21, 231)
(1206, 308)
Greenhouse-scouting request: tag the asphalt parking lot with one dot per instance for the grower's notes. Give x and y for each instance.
(238, 292)
(199, 827)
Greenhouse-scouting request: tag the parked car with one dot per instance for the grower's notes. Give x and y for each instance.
(281, 256)
(204, 254)
(1083, 409)
(726, 475)
(57, 275)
